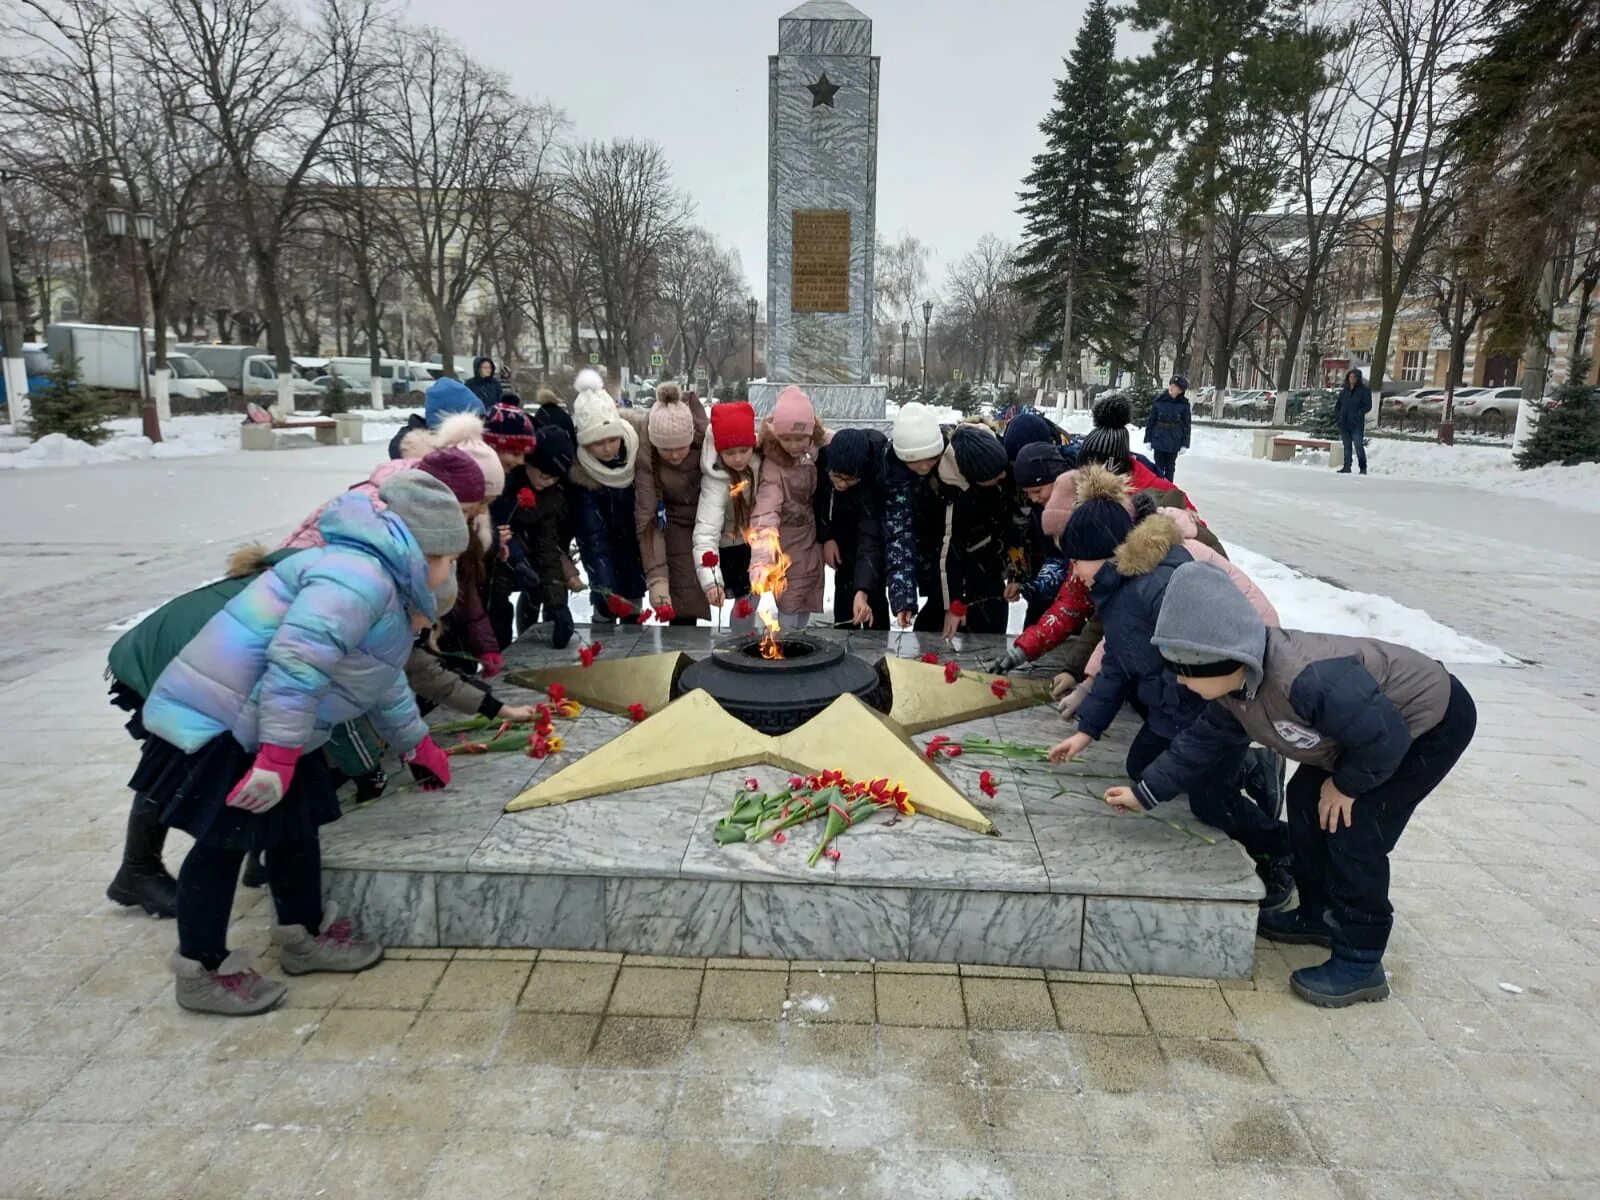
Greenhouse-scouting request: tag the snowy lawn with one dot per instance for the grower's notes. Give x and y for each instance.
(182, 437)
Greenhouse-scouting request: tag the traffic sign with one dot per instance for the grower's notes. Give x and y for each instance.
(658, 360)
(594, 357)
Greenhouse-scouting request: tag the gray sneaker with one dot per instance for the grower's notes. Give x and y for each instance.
(232, 990)
(336, 948)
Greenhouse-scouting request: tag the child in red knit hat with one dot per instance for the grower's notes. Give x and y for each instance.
(730, 468)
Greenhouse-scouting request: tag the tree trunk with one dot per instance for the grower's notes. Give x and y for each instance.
(1202, 318)
(1536, 358)
(1580, 328)
(1069, 363)
(445, 320)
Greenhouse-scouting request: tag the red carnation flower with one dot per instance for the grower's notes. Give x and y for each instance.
(952, 672)
(952, 751)
(586, 655)
(637, 712)
(986, 783)
(744, 607)
(1000, 687)
(557, 692)
(752, 784)
(958, 608)
(645, 615)
(930, 657)
(665, 613)
(617, 606)
(526, 498)
(709, 559)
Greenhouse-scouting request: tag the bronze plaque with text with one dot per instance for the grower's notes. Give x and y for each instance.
(821, 260)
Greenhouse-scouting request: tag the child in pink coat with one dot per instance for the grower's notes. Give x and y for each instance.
(790, 439)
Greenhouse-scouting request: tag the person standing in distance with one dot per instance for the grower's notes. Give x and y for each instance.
(1166, 431)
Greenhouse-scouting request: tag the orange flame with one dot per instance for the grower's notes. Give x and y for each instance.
(737, 489)
(769, 576)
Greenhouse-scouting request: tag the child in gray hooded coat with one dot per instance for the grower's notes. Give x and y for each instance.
(1375, 727)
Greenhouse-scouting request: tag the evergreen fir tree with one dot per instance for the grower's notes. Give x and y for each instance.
(1568, 431)
(963, 399)
(66, 406)
(1320, 416)
(336, 399)
(1080, 230)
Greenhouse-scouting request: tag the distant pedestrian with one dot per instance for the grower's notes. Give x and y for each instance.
(1166, 431)
(485, 384)
(1350, 411)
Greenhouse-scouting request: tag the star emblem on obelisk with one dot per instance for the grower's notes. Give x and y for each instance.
(822, 91)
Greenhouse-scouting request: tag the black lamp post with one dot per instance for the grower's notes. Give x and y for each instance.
(750, 307)
(905, 366)
(927, 315)
(143, 230)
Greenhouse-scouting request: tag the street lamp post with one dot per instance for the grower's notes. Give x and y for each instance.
(927, 315)
(905, 366)
(143, 230)
(750, 307)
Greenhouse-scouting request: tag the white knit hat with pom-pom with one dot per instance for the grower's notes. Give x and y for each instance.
(595, 417)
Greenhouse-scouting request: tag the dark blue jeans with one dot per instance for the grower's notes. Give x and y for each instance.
(1358, 439)
(1166, 462)
(1218, 800)
(1347, 872)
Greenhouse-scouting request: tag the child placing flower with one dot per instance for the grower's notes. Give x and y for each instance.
(542, 529)
(667, 500)
(730, 468)
(320, 638)
(790, 440)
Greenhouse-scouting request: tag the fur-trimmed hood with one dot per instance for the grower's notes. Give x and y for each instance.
(1143, 550)
(452, 431)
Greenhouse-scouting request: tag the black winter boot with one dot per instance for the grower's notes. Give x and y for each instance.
(255, 875)
(1277, 877)
(142, 881)
(1263, 780)
(562, 627)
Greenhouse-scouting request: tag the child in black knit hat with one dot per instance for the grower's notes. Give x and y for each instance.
(542, 525)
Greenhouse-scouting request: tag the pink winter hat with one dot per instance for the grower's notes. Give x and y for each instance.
(671, 423)
(793, 412)
(1063, 499)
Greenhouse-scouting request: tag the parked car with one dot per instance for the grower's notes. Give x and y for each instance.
(406, 381)
(108, 357)
(1250, 404)
(243, 369)
(36, 364)
(1416, 407)
(1492, 410)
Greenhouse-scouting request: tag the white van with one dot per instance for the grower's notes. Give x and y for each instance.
(404, 381)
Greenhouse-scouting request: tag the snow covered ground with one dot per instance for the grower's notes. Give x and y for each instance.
(182, 437)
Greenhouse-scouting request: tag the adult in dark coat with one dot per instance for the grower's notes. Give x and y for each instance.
(485, 384)
(1350, 411)
(849, 513)
(1166, 431)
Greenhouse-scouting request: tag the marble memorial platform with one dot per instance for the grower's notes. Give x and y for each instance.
(1067, 883)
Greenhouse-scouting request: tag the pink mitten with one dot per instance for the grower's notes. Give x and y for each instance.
(267, 781)
(429, 765)
(493, 664)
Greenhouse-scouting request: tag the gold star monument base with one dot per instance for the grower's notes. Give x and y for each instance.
(694, 735)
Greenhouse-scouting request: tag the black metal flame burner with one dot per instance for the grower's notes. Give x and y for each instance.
(775, 695)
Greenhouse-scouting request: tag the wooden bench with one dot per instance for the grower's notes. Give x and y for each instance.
(257, 435)
(1284, 448)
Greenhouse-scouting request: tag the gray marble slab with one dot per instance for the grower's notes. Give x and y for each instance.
(690, 918)
(997, 928)
(1169, 937)
(640, 832)
(824, 27)
(1098, 852)
(397, 908)
(846, 923)
(561, 912)
(860, 405)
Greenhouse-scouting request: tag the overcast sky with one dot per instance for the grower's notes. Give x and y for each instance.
(964, 85)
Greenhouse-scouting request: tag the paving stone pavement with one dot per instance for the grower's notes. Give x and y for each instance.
(559, 1074)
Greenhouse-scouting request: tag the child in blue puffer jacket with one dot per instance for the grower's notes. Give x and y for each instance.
(320, 638)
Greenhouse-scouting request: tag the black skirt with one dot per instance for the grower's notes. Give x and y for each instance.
(187, 792)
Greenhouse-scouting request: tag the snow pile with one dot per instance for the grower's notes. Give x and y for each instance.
(183, 437)
(1488, 468)
(1306, 603)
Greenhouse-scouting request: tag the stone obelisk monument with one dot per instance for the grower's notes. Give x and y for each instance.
(822, 184)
